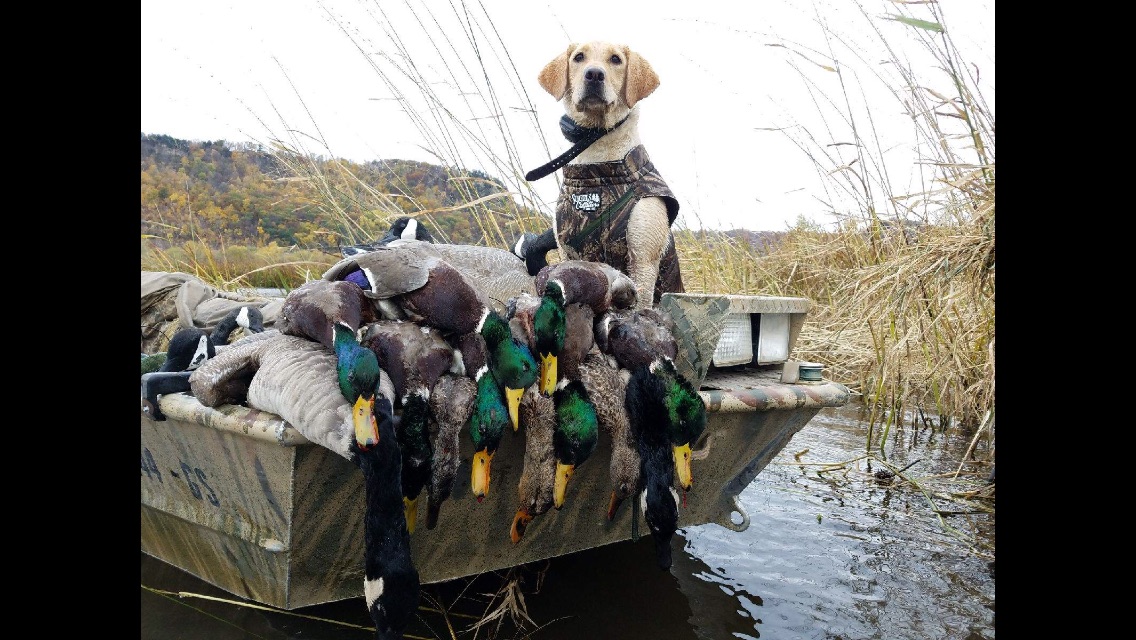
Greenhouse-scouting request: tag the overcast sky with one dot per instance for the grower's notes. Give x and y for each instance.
(740, 81)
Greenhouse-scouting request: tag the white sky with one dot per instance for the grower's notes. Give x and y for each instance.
(311, 73)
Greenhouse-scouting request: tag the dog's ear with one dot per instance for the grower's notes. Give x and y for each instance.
(554, 76)
(641, 79)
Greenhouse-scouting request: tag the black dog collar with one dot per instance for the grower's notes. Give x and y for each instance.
(583, 138)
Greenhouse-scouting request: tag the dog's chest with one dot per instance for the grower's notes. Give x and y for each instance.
(595, 204)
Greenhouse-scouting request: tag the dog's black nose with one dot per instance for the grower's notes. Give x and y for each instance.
(594, 74)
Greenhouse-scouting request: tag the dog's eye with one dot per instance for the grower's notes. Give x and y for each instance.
(616, 60)
(579, 57)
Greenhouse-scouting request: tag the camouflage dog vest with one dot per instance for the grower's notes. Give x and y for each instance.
(595, 204)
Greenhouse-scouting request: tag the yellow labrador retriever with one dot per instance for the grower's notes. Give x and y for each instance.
(613, 207)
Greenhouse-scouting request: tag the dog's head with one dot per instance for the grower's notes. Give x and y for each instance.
(598, 82)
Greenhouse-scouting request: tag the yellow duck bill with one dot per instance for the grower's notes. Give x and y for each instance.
(513, 399)
(363, 416)
(560, 489)
(410, 506)
(479, 479)
(682, 466)
(547, 374)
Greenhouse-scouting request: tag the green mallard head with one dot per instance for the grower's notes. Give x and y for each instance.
(486, 426)
(685, 414)
(357, 370)
(576, 434)
(510, 361)
(417, 453)
(550, 328)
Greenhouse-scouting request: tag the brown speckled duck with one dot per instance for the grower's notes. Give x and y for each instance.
(538, 474)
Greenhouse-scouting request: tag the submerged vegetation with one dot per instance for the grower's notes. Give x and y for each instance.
(902, 285)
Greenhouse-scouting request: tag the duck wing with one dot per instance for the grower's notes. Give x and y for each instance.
(499, 274)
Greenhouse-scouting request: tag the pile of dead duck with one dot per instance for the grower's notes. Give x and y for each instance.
(398, 352)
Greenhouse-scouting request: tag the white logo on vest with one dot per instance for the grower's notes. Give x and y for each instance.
(586, 201)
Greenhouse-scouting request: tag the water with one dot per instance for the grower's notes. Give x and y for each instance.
(839, 555)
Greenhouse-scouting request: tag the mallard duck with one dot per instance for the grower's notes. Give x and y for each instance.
(645, 338)
(595, 284)
(486, 426)
(331, 313)
(294, 378)
(414, 357)
(391, 582)
(403, 228)
(538, 474)
(561, 335)
(576, 434)
(498, 274)
(408, 279)
(451, 404)
(649, 419)
(607, 385)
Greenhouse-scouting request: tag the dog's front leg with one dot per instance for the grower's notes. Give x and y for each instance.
(647, 235)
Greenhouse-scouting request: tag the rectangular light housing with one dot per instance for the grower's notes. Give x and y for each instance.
(735, 345)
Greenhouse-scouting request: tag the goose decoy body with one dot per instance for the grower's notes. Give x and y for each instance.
(190, 346)
(538, 473)
(575, 436)
(403, 228)
(451, 404)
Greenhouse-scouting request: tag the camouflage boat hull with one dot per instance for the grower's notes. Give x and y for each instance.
(238, 498)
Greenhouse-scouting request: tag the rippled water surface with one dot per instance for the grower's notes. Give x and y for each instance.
(838, 554)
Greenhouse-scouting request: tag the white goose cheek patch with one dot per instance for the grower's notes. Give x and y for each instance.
(372, 589)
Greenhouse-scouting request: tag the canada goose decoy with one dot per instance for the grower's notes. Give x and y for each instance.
(403, 228)
(414, 357)
(649, 426)
(408, 279)
(451, 404)
(575, 436)
(538, 473)
(533, 249)
(246, 317)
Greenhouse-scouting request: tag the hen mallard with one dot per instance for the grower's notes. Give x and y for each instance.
(538, 473)
(607, 385)
(451, 404)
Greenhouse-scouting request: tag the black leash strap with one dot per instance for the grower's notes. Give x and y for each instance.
(587, 137)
